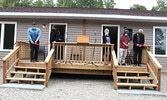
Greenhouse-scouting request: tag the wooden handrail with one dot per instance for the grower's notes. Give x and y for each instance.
(73, 53)
(90, 44)
(48, 62)
(11, 53)
(9, 61)
(152, 57)
(155, 68)
(115, 65)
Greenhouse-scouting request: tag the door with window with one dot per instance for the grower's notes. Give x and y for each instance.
(62, 30)
(114, 33)
(7, 35)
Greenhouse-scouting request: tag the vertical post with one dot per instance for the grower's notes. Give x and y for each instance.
(159, 79)
(112, 47)
(4, 72)
(84, 27)
(53, 47)
(47, 74)
(84, 33)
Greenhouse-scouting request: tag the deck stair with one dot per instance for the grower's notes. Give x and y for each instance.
(134, 77)
(30, 74)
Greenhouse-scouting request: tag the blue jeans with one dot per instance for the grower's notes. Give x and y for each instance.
(55, 50)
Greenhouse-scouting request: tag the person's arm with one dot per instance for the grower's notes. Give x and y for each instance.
(143, 40)
(134, 40)
(104, 39)
(39, 35)
(29, 36)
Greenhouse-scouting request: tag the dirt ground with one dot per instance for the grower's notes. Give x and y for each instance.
(77, 87)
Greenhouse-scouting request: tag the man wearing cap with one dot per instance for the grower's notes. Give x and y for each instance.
(34, 35)
(124, 44)
(138, 41)
(54, 37)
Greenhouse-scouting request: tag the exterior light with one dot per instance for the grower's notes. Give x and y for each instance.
(44, 26)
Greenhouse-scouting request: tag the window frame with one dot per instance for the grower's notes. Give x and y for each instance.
(2, 34)
(154, 27)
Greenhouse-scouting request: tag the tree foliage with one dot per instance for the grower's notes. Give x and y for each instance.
(66, 3)
(109, 3)
(161, 5)
(60, 3)
(138, 7)
(86, 3)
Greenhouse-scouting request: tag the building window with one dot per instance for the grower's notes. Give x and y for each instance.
(7, 36)
(160, 40)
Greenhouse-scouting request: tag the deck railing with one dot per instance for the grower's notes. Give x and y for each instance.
(83, 53)
(49, 61)
(154, 67)
(114, 65)
(9, 61)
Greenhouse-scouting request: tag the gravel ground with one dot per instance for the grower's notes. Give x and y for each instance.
(76, 87)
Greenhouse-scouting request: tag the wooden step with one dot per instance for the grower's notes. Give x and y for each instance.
(83, 67)
(136, 84)
(33, 64)
(131, 68)
(140, 72)
(25, 79)
(143, 78)
(28, 67)
(28, 73)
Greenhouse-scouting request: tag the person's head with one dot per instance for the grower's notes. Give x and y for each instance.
(124, 28)
(34, 24)
(140, 31)
(54, 27)
(126, 32)
(106, 31)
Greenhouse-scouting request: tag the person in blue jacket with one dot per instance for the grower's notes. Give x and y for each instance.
(34, 35)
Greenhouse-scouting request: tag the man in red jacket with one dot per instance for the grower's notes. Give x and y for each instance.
(124, 44)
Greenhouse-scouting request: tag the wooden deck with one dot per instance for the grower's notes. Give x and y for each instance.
(74, 58)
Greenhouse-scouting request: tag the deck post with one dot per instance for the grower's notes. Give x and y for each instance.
(84, 33)
(47, 74)
(4, 72)
(159, 79)
(53, 47)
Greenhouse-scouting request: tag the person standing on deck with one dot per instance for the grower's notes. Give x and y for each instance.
(34, 35)
(54, 37)
(138, 42)
(124, 44)
(106, 40)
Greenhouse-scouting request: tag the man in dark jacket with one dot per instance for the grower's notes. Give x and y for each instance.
(54, 37)
(138, 42)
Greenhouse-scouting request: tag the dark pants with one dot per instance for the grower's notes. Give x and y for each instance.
(137, 52)
(55, 50)
(34, 49)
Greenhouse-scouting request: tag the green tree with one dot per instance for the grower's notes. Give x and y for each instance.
(161, 5)
(109, 3)
(81, 3)
(38, 3)
(9, 3)
(138, 7)
(89, 3)
(49, 3)
(25, 3)
(66, 3)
